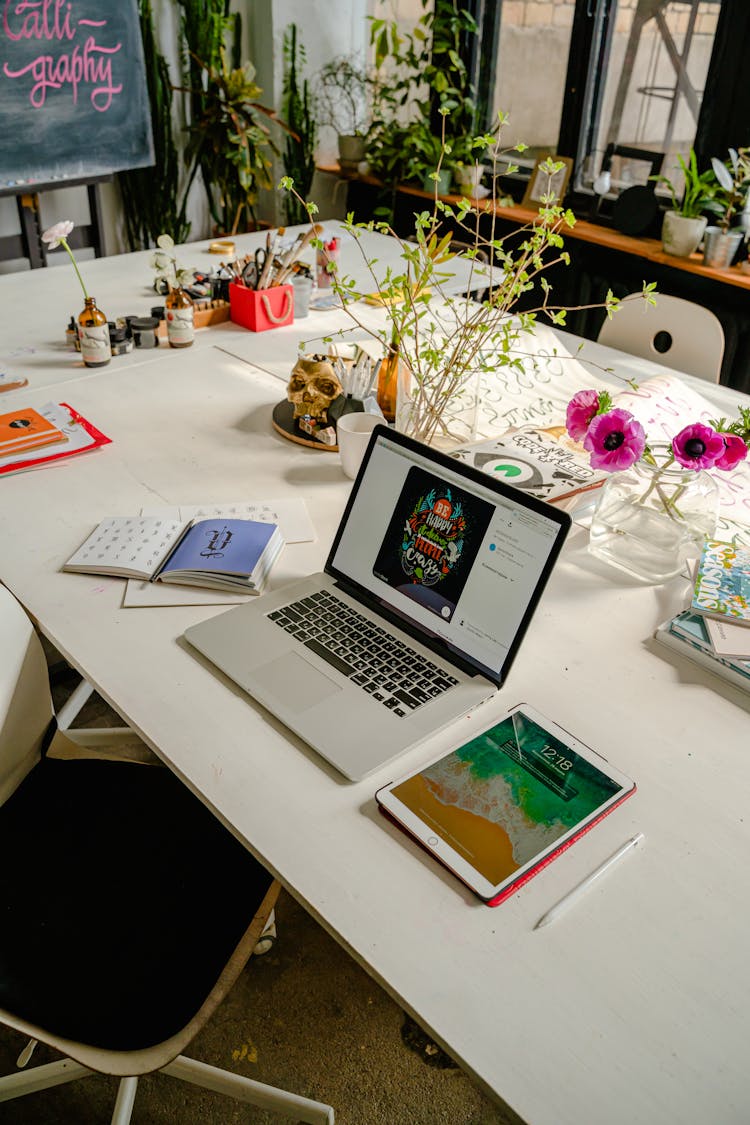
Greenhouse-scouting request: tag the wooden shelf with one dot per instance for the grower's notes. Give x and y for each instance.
(650, 249)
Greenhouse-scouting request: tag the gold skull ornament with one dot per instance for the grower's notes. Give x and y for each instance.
(313, 387)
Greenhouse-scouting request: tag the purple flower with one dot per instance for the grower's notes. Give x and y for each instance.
(581, 409)
(698, 446)
(615, 440)
(735, 451)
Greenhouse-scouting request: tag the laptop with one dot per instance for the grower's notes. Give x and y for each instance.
(434, 574)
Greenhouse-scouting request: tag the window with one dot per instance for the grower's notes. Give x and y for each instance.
(656, 59)
(530, 70)
(579, 77)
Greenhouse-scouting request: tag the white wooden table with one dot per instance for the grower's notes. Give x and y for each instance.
(36, 306)
(634, 1007)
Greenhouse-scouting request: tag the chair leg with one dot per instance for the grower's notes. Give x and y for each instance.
(250, 1092)
(75, 702)
(26, 1053)
(41, 1078)
(267, 938)
(126, 1092)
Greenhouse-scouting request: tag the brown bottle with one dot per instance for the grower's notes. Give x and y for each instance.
(93, 335)
(179, 316)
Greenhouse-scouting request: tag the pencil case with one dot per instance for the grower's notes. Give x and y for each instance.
(261, 309)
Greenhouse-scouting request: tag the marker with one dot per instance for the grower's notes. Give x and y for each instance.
(577, 891)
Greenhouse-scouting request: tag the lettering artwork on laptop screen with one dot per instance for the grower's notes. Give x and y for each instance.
(432, 540)
(460, 560)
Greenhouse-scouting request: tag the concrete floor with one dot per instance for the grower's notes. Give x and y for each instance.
(304, 1017)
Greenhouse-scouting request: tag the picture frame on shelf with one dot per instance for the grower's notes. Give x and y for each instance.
(541, 184)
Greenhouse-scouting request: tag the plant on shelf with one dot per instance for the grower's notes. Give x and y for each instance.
(297, 108)
(723, 240)
(685, 223)
(442, 350)
(423, 75)
(346, 95)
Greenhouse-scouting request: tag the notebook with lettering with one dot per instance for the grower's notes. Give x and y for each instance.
(432, 579)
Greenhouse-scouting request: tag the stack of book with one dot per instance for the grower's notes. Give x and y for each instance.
(714, 630)
(26, 429)
(30, 438)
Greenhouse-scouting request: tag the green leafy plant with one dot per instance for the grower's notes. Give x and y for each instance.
(426, 78)
(734, 180)
(345, 94)
(445, 345)
(148, 212)
(297, 108)
(230, 143)
(699, 188)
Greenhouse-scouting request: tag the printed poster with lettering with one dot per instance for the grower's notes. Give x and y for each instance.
(432, 541)
(73, 94)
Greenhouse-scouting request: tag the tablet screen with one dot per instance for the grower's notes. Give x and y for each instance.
(506, 799)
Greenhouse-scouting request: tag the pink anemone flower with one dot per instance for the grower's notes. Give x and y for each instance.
(698, 446)
(735, 451)
(615, 440)
(581, 409)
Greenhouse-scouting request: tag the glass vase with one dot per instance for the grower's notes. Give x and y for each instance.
(436, 410)
(651, 518)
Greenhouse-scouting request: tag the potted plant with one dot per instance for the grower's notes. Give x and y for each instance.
(723, 240)
(344, 95)
(422, 77)
(685, 223)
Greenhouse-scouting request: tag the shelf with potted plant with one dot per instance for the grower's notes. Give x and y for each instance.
(649, 249)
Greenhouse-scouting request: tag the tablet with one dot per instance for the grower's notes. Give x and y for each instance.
(499, 808)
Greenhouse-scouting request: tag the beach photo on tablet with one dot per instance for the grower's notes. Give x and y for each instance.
(498, 807)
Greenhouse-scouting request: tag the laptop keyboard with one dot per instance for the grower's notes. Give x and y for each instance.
(389, 671)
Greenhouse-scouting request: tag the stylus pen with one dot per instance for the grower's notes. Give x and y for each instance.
(573, 896)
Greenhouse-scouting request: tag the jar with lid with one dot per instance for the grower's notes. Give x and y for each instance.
(178, 311)
(93, 335)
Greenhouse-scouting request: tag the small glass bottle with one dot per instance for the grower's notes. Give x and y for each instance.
(93, 335)
(179, 316)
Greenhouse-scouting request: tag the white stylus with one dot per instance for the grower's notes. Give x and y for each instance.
(573, 896)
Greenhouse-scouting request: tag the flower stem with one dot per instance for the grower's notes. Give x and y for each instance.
(64, 242)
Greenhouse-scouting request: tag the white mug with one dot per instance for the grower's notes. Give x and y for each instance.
(353, 435)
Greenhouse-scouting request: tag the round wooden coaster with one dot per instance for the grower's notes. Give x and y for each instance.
(284, 423)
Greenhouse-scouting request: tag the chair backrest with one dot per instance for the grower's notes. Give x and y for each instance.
(677, 333)
(25, 701)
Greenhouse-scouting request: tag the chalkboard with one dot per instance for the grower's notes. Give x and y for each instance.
(73, 95)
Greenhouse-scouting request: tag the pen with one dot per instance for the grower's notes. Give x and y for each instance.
(573, 895)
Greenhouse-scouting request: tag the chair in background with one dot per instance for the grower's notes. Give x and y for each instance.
(677, 333)
(127, 910)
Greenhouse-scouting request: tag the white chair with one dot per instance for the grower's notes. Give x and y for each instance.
(127, 909)
(677, 333)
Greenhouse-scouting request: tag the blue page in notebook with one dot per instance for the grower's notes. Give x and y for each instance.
(221, 546)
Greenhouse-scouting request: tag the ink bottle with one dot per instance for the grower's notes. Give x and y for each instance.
(93, 335)
(179, 312)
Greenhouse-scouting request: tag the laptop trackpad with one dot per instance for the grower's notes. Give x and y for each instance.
(291, 679)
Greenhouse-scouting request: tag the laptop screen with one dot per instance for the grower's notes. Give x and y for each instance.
(459, 557)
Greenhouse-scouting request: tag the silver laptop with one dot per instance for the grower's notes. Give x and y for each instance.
(432, 579)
